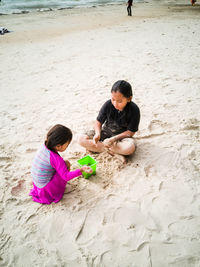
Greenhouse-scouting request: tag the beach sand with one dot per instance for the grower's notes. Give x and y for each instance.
(58, 67)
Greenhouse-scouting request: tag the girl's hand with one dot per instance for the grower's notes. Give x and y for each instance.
(96, 138)
(86, 169)
(68, 165)
(108, 142)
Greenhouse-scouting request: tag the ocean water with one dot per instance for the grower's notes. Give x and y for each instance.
(22, 6)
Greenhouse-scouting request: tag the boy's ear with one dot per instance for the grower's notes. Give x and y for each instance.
(130, 98)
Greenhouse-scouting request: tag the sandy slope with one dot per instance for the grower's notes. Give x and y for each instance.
(58, 67)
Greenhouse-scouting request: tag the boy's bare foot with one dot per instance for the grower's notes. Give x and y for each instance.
(90, 152)
(121, 158)
(110, 152)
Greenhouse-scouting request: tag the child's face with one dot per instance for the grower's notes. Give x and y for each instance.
(62, 148)
(119, 101)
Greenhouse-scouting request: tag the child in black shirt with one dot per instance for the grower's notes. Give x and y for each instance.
(116, 123)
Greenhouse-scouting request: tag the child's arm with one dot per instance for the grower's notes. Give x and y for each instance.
(101, 118)
(109, 141)
(68, 164)
(86, 169)
(97, 128)
(60, 166)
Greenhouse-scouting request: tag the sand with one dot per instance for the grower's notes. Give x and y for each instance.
(58, 67)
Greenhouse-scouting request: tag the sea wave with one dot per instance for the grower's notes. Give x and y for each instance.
(25, 6)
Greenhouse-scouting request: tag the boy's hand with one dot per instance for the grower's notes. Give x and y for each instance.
(86, 169)
(108, 142)
(96, 138)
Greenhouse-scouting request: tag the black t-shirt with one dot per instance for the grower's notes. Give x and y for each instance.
(119, 121)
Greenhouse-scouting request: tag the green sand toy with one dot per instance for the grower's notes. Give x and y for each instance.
(89, 161)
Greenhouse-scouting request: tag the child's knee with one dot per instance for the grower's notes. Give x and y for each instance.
(129, 146)
(131, 149)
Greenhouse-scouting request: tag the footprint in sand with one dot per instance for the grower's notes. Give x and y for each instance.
(186, 227)
(148, 170)
(128, 216)
(30, 150)
(157, 126)
(5, 163)
(191, 124)
(19, 188)
(89, 227)
(5, 158)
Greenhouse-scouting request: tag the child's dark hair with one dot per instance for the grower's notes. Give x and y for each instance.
(123, 87)
(58, 135)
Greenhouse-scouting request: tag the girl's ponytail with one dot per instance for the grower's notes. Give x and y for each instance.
(48, 144)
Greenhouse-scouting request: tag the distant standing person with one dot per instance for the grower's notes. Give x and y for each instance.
(129, 4)
(193, 2)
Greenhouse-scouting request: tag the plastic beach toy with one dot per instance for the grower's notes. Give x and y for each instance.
(89, 161)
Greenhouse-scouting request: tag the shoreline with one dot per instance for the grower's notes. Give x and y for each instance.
(57, 23)
(41, 10)
(153, 3)
(60, 22)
